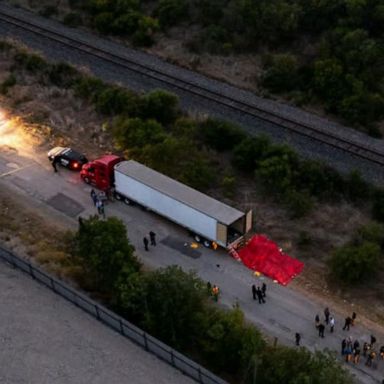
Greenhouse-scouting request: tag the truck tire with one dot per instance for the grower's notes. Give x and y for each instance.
(87, 180)
(197, 238)
(127, 201)
(207, 244)
(118, 196)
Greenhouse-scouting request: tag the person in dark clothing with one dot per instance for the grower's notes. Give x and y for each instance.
(254, 292)
(347, 323)
(343, 346)
(356, 344)
(366, 348)
(297, 338)
(321, 329)
(382, 352)
(353, 318)
(373, 341)
(260, 295)
(54, 163)
(356, 355)
(94, 196)
(317, 321)
(146, 242)
(326, 314)
(209, 287)
(152, 236)
(264, 289)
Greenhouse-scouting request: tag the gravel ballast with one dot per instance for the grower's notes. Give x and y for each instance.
(113, 73)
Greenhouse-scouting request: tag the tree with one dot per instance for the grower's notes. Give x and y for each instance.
(355, 263)
(160, 105)
(130, 133)
(104, 252)
(281, 74)
(249, 151)
(378, 205)
(299, 366)
(221, 135)
(169, 303)
(171, 12)
(228, 342)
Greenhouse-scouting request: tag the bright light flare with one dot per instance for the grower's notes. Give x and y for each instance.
(13, 134)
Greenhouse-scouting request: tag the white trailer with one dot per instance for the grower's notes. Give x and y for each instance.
(208, 219)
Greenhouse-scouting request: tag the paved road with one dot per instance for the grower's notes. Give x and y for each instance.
(47, 340)
(64, 196)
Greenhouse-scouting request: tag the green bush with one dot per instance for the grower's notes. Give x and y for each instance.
(48, 11)
(378, 205)
(62, 74)
(9, 82)
(298, 203)
(30, 62)
(249, 151)
(228, 184)
(170, 12)
(292, 366)
(372, 232)
(145, 33)
(355, 263)
(160, 105)
(130, 133)
(227, 342)
(168, 303)
(221, 135)
(104, 252)
(73, 19)
(281, 74)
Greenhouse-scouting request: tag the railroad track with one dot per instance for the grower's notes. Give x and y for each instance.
(335, 141)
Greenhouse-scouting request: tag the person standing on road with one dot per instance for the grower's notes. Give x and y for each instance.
(317, 321)
(152, 236)
(353, 318)
(215, 292)
(373, 341)
(146, 242)
(264, 289)
(321, 329)
(347, 323)
(332, 323)
(356, 354)
(254, 292)
(297, 338)
(326, 315)
(55, 160)
(93, 196)
(260, 295)
(343, 346)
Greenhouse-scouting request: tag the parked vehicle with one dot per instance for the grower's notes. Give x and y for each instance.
(210, 221)
(67, 158)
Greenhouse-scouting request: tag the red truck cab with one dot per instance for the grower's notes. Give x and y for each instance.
(99, 172)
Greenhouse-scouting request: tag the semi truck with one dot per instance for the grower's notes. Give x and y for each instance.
(210, 221)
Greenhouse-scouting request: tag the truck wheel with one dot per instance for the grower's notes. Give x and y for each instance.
(207, 244)
(87, 180)
(197, 238)
(118, 196)
(127, 201)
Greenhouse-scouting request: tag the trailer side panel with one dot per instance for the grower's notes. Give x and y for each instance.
(164, 205)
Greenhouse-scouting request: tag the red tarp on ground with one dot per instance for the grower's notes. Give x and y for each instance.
(264, 256)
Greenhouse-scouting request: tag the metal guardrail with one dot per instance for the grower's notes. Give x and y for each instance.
(149, 343)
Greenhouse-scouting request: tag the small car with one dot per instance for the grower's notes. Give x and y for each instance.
(67, 157)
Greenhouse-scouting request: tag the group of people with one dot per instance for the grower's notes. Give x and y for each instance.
(98, 201)
(152, 238)
(350, 349)
(259, 293)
